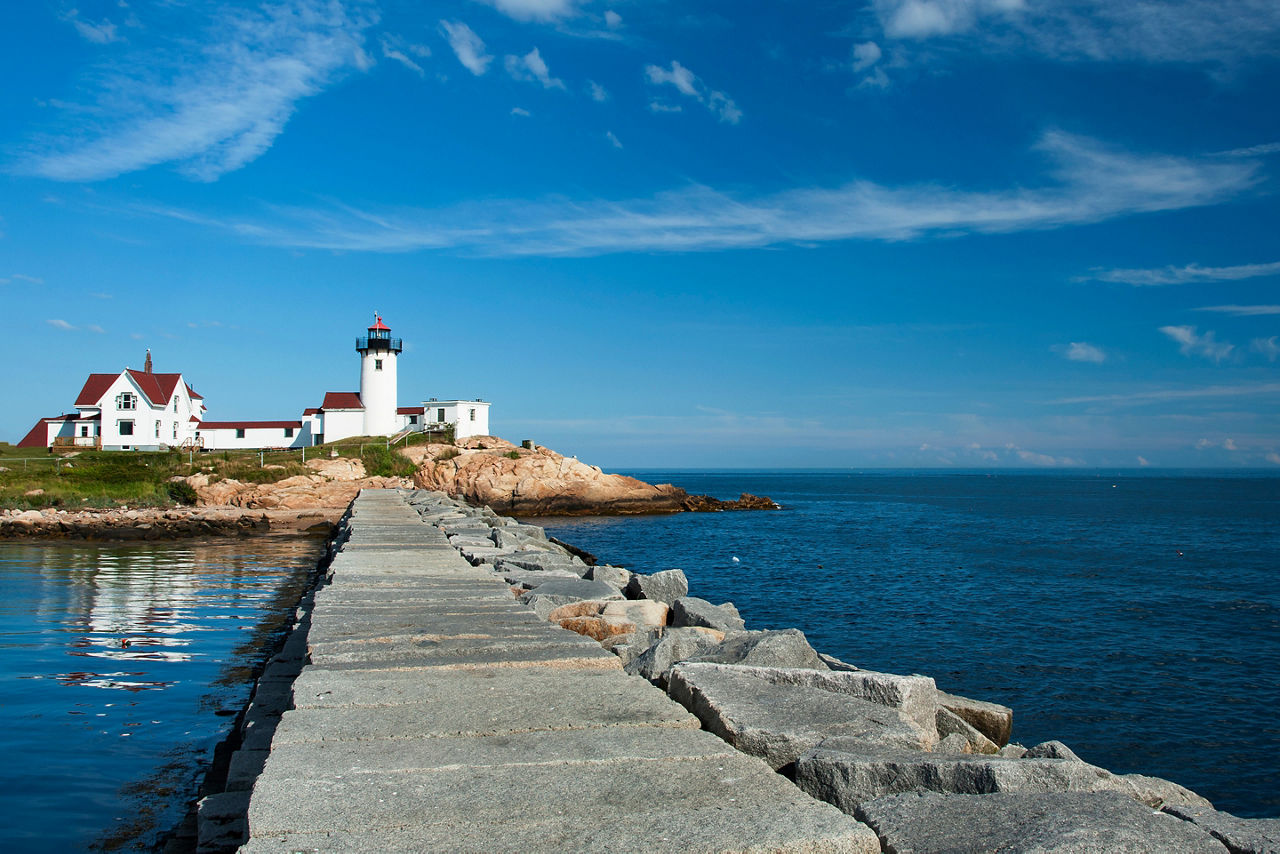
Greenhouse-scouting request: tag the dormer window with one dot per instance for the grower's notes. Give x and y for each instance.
(126, 400)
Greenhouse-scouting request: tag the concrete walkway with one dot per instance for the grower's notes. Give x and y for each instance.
(439, 714)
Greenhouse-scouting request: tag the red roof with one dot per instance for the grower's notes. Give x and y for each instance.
(194, 419)
(410, 410)
(342, 400)
(378, 324)
(38, 436)
(311, 410)
(191, 393)
(94, 388)
(247, 425)
(157, 388)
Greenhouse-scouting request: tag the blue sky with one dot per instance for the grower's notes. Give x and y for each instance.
(1034, 233)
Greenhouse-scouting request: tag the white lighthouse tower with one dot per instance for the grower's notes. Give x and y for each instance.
(378, 352)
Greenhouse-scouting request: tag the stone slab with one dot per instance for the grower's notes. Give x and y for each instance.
(1066, 823)
(722, 803)
(358, 704)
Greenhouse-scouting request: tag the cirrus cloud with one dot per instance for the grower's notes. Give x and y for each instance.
(210, 110)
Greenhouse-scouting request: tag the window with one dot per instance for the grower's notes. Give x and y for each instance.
(84, 430)
(377, 364)
(175, 403)
(239, 432)
(440, 415)
(175, 429)
(125, 428)
(413, 419)
(157, 429)
(126, 400)
(288, 432)
(473, 415)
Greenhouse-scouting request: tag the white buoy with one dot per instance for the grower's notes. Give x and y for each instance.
(735, 559)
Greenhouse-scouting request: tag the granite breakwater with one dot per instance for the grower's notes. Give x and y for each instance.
(918, 769)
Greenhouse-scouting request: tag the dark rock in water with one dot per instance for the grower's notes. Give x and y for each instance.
(1240, 835)
(675, 645)
(1055, 823)
(666, 586)
(746, 501)
(786, 648)
(780, 722)
(692, 611)
(991, 719)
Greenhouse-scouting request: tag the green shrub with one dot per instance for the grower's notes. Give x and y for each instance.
(182, 492)
(448, 454)
(513, 455)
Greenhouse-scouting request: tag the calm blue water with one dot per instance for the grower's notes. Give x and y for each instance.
(1136, 618)
(103, 745)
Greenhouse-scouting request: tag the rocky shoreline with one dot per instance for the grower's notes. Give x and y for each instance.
(926, 770)
(150, 524)
(484, 470)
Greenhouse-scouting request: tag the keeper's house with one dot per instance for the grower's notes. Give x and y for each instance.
(146, 411)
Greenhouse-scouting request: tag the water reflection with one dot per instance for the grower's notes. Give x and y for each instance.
(121, 667)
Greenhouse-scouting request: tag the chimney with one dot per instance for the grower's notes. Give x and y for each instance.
(146, 368)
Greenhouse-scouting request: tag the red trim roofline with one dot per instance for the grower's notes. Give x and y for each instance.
(248, 425)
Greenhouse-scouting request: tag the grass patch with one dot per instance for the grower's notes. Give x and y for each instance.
(380, 461)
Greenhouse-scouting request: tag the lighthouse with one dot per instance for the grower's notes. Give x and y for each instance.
(378, 352)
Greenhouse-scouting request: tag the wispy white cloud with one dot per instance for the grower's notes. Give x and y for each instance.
(1172, 275)
(922, 19)
(536, 10)
(612, 19)
(210, 109)
(520, 111)
(103, 32)
(1045, 460)
(1226, 444)
(662, 107)
(1168, 394)
(1143, 461)
(1253, 150)
(93, 327)
(1267, 347)
(613, 140)
(398, 50)
(1220, 32)
(1080, 351)
(1087, 182)
(22, 277)
(687, 83)
(597, 92)
(865, 55)
(467, 46)
(1242, 310)
(532, 67)
(1192, 343)
(58, 323)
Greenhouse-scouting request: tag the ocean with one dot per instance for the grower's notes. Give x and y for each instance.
(105, 743)
(1133, 616)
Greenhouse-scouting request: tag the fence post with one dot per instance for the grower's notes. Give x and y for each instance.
(261, 462)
